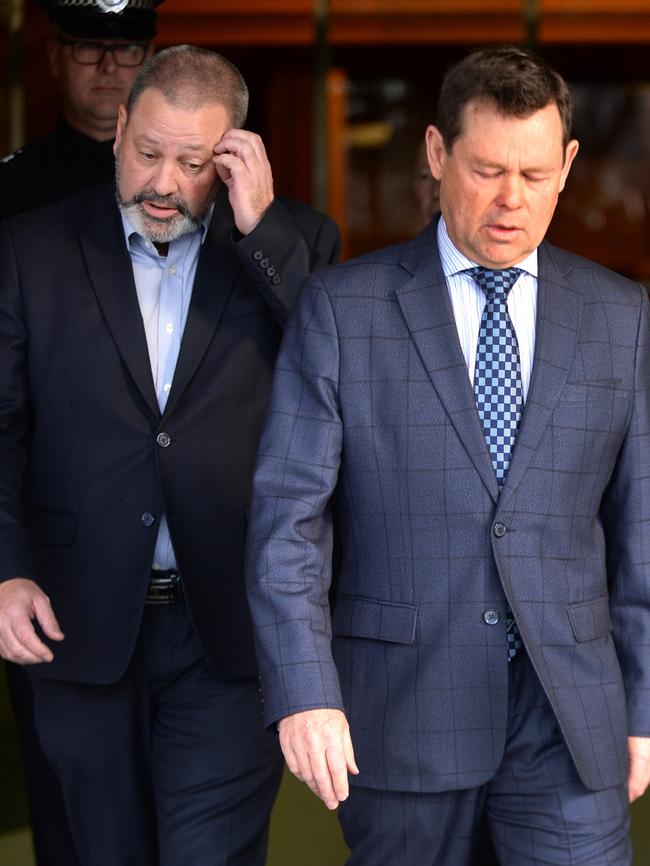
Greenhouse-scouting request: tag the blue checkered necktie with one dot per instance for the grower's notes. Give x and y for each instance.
(497, 385)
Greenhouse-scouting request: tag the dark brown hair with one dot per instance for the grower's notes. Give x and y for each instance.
(517, 81)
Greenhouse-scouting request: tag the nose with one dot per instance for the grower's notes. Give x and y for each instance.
(510, 192)
(107, 64)
(165, 180)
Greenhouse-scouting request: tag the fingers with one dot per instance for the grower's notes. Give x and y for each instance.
(20, 602)
(225, 165)
(349, 754)
(318, 751)
(639, 775)
(245, 145)
(46, 618)
(241, 163)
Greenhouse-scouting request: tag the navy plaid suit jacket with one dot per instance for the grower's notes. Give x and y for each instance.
(372, 401)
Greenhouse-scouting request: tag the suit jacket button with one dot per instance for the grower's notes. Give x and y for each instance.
(491, 617)
(270, 271)
(164, 440)
(276, 279)
(499, 530)
(257, 255)
(148, 518)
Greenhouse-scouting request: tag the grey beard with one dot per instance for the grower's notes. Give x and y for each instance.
(159, 231)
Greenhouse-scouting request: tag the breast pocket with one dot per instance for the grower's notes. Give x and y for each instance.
(600, 406)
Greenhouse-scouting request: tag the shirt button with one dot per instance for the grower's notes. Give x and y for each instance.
(169, 327)
(172, 270)
(491, 617)
(164, 439)
(167, 387)
(148, 518)
(257, 255)
(499, 530)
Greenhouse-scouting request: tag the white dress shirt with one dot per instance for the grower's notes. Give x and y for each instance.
(468, 301)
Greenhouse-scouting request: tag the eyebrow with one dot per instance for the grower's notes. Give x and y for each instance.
(155, 142)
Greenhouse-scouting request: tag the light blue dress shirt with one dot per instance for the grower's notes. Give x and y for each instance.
(164, 286)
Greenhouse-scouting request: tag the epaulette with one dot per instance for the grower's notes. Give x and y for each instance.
(10, 156)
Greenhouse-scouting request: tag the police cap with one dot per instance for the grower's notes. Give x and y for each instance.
(104, 19)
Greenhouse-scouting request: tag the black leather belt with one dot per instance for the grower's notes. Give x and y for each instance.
(165, 587)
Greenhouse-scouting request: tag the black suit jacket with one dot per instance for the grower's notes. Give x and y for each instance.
(83, 478)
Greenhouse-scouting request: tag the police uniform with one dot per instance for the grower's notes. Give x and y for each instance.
(52, 167)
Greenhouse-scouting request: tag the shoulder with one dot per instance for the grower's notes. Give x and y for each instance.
(66, 215)
(584, 273)
(306, 217)
(376, 274)
(25, 157)
(299, 209)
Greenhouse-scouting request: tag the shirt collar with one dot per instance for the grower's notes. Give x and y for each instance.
(131, 234)
(454, 262)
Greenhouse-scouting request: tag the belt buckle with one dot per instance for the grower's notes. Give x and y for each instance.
(164, 588)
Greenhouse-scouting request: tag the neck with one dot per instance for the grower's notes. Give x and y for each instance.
(95, 129)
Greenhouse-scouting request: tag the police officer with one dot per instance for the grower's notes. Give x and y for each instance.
(95, 52)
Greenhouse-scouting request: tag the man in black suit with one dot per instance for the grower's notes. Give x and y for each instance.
(137, 344)
(95, 53)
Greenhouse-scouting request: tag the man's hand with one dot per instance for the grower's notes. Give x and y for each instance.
(21, 601)
(639, 777)
(241, 163)
(318, 750)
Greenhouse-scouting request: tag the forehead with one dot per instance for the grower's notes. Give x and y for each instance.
(478, 114)
(155, 116)
(486, 129)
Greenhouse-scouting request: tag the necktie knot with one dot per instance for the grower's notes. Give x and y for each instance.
(495, 283)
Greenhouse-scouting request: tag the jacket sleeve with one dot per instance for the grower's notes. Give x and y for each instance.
(626, 521)
(289, 243)
(15, 416)
(289, 561)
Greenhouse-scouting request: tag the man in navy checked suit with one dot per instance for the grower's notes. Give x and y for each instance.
(405, 683)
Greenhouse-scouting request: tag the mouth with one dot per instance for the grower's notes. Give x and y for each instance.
(503, 232)
(159, 211)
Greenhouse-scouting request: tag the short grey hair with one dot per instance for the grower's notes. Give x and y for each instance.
(194, 77)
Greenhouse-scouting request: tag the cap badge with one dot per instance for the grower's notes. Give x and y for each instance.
(112, 5)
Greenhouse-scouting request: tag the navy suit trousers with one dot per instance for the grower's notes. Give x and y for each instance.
(538, 810)
(169, 765)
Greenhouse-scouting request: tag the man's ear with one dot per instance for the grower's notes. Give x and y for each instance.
(53, 47)
(569, 155)
(436, 152)
(122, 118)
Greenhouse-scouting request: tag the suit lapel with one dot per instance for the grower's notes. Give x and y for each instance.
(107, 260)
(429, 316)
(558, 318)
(216, 275)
